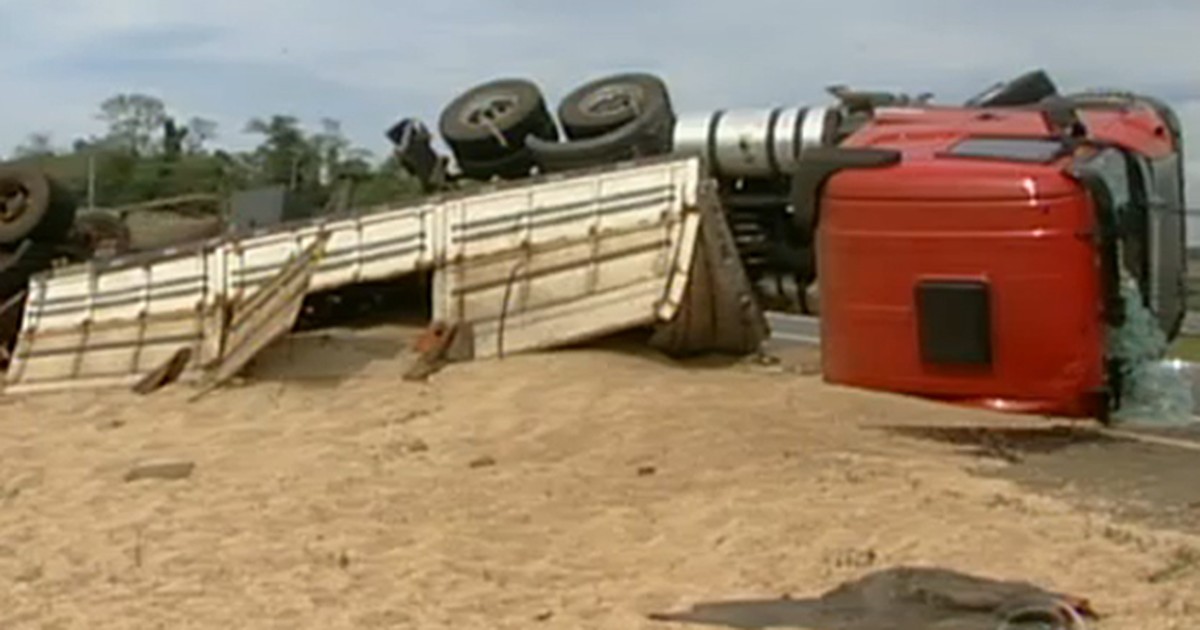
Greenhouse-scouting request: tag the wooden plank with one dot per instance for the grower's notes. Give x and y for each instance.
(257, 321)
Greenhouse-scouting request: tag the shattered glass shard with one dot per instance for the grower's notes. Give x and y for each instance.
(1154, 389)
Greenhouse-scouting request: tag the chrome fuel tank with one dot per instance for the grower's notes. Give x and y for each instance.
(753, 142)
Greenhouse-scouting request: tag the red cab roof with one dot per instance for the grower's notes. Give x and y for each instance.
(930, 137)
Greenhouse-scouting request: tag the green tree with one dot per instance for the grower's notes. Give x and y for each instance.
(388, 183)
(134, 121)
(285, 156)
(200, 131)
(145, 153)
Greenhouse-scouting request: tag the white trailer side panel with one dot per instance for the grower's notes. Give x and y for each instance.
(99, 327)
(151, 305)
(568, 291)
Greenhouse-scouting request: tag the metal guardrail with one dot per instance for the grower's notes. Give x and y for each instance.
(794, 329)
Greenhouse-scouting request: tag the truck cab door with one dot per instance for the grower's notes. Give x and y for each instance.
(1166, 240)
(1147, 202)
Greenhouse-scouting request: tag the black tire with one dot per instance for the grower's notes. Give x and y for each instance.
(648, 135)
(34, 206)
(29, 258)
(514, 166)
(490, 122)
(1027, 89)
(607, 104)
(16, 267)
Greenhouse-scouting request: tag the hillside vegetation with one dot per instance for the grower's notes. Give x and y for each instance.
(146, 154)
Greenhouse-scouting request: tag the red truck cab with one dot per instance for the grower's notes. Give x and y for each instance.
(973, 255)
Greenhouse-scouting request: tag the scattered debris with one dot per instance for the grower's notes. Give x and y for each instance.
(763, 358)
(853, 558)
(167, 470)
(434, 350)
(993, 445)
(409, 416)
(483, 462)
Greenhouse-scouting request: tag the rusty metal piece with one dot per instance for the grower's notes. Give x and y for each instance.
(431, 338)
(433, 345)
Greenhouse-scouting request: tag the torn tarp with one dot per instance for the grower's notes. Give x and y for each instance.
(902, 598)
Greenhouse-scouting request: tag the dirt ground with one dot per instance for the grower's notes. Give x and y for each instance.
(588, 488)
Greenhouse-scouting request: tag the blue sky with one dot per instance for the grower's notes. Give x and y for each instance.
(367, 62)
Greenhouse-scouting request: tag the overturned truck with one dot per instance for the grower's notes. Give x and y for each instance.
(994, 252)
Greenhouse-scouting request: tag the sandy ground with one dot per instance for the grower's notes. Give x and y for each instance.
(578, 489)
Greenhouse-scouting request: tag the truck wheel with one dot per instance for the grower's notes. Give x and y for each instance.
(18, 265)
(512, 166)
(33, 205)
(605, 105)
(1027, 89)
(491, 121)
(647, 135)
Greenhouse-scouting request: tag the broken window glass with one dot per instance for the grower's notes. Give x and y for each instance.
(1153, 389)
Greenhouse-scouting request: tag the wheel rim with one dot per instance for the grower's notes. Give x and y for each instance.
(486, 110)
(13, 203)
(613, 100)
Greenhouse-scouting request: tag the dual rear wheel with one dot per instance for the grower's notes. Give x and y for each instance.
(504, 128)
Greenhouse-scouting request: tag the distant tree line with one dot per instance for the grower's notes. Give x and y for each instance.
(146, 153)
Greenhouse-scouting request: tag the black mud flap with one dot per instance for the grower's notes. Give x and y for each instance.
(719, 313)
(815, 167)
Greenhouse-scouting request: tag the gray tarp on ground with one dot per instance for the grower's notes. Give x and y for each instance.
(902, 598)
